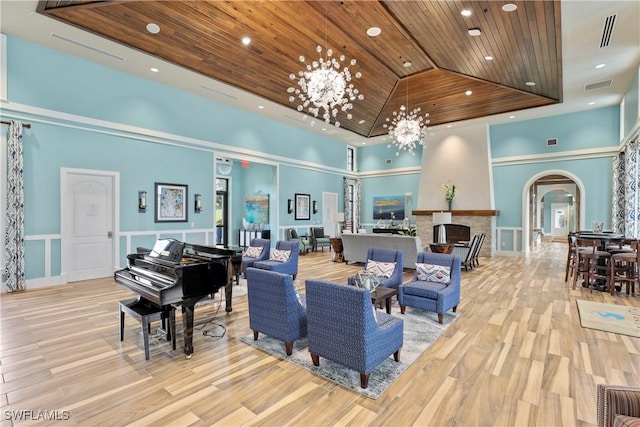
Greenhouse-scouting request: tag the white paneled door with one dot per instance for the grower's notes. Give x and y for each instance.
(559, 219)
(87, 224)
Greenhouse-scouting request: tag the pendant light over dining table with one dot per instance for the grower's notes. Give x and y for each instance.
(324, 87)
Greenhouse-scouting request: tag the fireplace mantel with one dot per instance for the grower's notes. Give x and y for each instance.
(479, 221)
(458, 213)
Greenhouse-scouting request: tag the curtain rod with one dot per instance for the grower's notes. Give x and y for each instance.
(24, 125)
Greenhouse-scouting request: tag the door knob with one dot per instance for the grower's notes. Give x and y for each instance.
(109, 234)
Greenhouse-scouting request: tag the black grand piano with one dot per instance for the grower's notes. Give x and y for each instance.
(178, 273)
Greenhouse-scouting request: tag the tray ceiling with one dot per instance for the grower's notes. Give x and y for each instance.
(205, 37)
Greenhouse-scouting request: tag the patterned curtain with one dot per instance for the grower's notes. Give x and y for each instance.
(351, 192)
(631, 178)
(14, 236)
(617, 193)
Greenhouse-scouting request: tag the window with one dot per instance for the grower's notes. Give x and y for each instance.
(350, 159)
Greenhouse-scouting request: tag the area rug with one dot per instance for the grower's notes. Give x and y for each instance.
(619, 319)
(421, 329)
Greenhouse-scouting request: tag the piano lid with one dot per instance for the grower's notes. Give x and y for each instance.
(168, 250)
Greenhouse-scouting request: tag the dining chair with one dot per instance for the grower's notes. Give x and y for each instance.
(592, 262)
(624, 268)
(571, 256)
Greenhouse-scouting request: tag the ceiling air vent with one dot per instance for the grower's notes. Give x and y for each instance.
(597, 85)
(388, 161)
(551, 142)
(607, 30)
(86, 46)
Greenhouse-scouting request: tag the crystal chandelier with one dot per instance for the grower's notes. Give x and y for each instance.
(324, 89)
(407, 129)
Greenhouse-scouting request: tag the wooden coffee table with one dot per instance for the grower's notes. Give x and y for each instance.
(383, 296)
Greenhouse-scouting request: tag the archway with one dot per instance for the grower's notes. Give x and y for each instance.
(543, 183)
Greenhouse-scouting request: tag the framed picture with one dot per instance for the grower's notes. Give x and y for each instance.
(171, 202)
(302, 206)
(388, 207)
(257, 208)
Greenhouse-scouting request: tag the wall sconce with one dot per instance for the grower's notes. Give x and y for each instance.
(315, 207)
(142, 201)
(197, 203)
(289, 206)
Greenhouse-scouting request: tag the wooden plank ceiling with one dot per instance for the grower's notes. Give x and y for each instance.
(205, 36)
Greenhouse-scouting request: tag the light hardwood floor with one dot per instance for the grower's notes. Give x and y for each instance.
(517, 355)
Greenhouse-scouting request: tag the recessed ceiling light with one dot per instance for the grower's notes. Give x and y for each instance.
(246, 40)
(154, 69)
(448, 126)
(468, 93)
(261, 106)
(374, 31)
(591, 103)
(601, 65)
(361, 122)
(324, 129)
(153, 28)
(364, 143)
(530, 83)
(465, 12)
(512, 117)
(489, 58)
(475, 32)
(407, 64)
(509, 7)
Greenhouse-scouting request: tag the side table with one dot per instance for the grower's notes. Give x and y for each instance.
(442, 248)
(383, 296)
(336, 245)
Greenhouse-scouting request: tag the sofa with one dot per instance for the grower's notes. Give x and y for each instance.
(356, 246)
(617, 405)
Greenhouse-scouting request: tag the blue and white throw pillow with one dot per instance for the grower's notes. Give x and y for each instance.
(253, 251)
(382, 269)
(433, 273)
(279, 255)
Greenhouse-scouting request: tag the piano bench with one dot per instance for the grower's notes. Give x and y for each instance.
(145, 312)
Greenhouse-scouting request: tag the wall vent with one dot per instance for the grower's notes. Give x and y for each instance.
(388, 161)
(607, 30)
(551, 142)
(597, 85)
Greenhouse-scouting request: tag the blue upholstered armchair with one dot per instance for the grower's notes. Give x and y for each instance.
(275, 308)
(438, 290)
(289, 266)
(341, 327)
(379, 255)
(248, 261)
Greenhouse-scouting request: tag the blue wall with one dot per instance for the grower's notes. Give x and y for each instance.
(156, 133)
(578, 131)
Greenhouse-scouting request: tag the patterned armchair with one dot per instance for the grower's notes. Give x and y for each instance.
(279, 262)
(618, 405)
(248, 261)
(319, 239)
(435, 285)
(292, 235)
(342, 327)
(275, 307)
(384, 256)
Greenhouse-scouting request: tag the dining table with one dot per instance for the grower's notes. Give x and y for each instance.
(605, 239)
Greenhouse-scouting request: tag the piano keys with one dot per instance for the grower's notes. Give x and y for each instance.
(176, 273)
